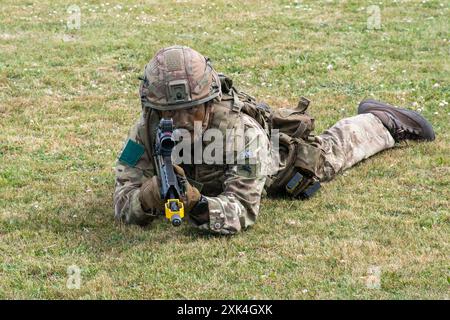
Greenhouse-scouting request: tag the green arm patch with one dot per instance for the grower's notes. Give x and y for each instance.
(132, 152)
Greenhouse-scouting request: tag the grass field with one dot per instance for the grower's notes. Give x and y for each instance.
(68, 97)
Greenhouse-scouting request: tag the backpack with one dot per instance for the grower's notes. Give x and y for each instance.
(303, 157)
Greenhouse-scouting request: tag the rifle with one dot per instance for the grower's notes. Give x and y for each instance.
(170, 187)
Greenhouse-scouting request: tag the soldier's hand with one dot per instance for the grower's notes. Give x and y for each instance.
(192, 195)
(150, 195)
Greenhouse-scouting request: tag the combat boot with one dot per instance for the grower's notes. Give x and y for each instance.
(403, 124)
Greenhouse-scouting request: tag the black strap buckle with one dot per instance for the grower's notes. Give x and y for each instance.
(300, 186)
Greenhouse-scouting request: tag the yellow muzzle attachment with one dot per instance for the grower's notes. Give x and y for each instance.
(174, 210)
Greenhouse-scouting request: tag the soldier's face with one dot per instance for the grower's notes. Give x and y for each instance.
(184, 119)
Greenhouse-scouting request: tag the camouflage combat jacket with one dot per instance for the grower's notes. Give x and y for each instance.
(233, 190)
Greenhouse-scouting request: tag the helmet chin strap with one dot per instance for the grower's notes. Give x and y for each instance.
(207, 117)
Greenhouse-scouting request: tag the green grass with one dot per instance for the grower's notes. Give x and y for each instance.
(68, 98)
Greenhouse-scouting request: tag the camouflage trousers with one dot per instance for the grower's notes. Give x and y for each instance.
(350, 141)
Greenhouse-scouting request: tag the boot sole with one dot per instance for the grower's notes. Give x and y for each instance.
(367, 105)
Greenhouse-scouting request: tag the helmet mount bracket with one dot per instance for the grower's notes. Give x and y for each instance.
(177, 91)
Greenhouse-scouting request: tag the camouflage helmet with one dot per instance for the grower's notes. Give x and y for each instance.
(177, 78)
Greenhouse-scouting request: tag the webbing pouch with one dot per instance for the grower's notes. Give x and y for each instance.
(293, 122)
